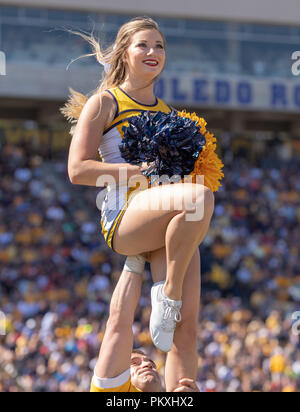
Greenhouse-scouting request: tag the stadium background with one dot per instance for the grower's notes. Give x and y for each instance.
(231, 63)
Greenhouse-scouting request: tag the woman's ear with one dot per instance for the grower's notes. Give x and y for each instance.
(124, 58)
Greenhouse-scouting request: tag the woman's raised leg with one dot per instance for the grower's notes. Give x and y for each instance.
(145, 229)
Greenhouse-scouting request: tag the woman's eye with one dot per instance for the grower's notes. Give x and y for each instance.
(145, 45)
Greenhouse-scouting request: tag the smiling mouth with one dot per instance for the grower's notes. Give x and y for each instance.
(151, 63)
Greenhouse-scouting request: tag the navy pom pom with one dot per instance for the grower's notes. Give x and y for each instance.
(172, 142)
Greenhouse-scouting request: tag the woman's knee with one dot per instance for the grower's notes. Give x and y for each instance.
(206, 199)
(209, 202)
(198, 203)
(199, 196)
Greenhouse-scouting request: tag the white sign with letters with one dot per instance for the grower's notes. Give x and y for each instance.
(235, 92)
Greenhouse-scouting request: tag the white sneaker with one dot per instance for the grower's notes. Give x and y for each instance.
(164, 316)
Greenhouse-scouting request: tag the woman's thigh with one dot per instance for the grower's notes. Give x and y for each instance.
(145, 221)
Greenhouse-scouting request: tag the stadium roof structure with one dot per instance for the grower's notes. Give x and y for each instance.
(266, 11)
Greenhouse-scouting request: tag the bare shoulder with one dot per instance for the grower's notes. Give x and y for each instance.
(101, 106)
(97, 113)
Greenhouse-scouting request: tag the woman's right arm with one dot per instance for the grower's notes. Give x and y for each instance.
(83, 168)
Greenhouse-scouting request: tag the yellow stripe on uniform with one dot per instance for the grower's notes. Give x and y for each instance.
(126, 387)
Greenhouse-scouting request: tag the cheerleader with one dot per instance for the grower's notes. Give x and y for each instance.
(166, 238)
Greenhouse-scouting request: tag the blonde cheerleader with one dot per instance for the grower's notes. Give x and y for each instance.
(167, 236)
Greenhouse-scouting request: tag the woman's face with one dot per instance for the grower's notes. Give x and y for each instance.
(145, 56)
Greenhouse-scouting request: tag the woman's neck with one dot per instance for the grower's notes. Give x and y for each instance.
(139, 91)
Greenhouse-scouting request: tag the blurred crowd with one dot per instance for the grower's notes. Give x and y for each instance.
(57, 276)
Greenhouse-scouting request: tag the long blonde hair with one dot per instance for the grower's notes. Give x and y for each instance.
(113, 56)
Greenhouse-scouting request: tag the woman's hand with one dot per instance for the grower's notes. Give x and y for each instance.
(135, 177)
(133, 170)
(136, 170)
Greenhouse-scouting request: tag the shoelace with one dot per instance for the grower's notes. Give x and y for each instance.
(171, 315)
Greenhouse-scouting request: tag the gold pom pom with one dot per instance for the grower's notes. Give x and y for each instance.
(208, 163)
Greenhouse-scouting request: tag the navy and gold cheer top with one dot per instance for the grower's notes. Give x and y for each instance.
(115, 202)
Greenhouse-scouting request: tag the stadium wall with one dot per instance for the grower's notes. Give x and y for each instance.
(267, 11)
(29, 81)
(224, 92)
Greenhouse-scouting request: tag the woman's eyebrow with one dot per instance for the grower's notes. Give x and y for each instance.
(157, 41)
